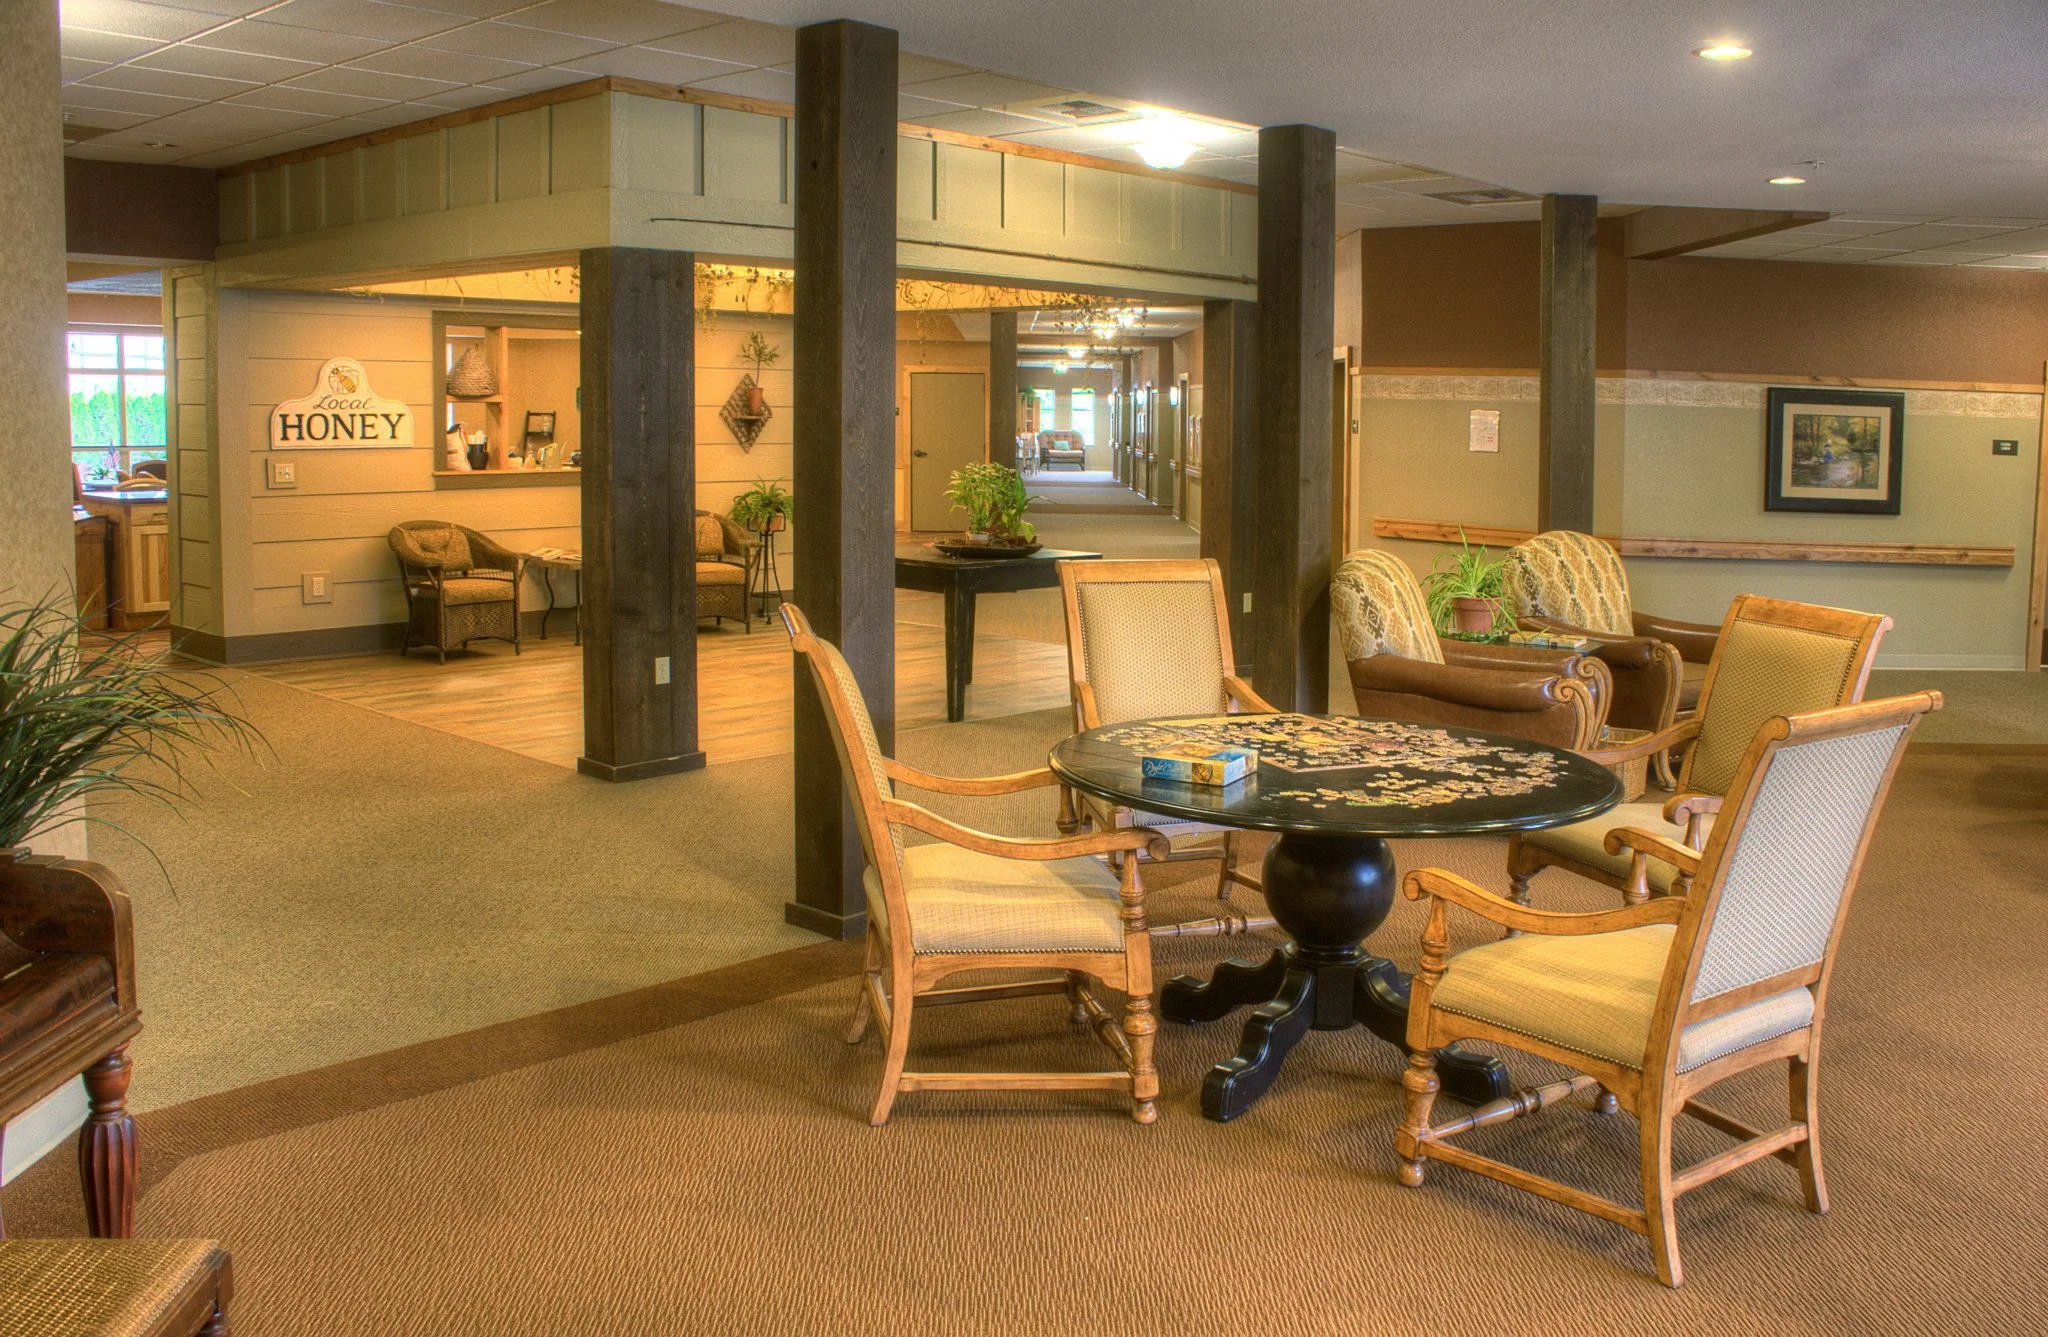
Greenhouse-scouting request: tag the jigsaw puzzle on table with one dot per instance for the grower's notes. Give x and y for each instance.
(1417, 765)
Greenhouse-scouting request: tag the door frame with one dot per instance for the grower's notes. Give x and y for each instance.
(903, 375)
(2037, 590)
(1344, 448)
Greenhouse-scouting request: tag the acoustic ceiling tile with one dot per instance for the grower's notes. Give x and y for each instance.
(982, 89)
(528, 46)
(977, 122)
(171, 83)
(912, 69)
(771, 85)
(909, 108)
(274, 39)
(660, 67)
(370, 83)
(459, 98)
(425, 62)
(134, 18)
(188, 59)
(364, 18)
(103, 46)
(306, 101)
(738, 41)
(117, 99)
(70, 69)
(613, 21)
(549, 76)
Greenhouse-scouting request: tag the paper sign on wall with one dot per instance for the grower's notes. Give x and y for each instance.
(1486, 430)
(342, 411)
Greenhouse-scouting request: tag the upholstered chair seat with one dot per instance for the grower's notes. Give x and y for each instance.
(114, 1288)
(1584, 843)
(725, 569)
(964, 901)
(460, 586)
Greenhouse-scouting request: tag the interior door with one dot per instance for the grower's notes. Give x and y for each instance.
(948, 428)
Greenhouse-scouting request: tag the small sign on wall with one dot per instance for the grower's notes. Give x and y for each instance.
(343, 411)
(1485, 430)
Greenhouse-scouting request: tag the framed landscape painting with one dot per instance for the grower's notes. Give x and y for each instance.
(1834, 450)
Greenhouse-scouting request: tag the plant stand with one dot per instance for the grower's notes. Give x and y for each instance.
(766, 579)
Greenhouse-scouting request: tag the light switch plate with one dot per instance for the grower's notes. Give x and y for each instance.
(316, 587)
(661, 671)
(281, 473)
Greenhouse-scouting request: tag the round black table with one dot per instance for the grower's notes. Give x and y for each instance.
(1335, 789)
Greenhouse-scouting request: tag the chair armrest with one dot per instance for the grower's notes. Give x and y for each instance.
(950, 784)
(1691, 812)
(1445, 885)
(1663, 740)
(1617, 652)
(1695, 640)
(488, 552)
(1658, 846)
(1498, 689)
(70, 906)
(1007, 847)
(1247, 701)
(1484, 655)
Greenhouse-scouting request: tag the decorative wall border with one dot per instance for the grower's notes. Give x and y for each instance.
(1736, 550)
(1635, 390)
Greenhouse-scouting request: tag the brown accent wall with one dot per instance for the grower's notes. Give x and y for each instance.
(139, 211)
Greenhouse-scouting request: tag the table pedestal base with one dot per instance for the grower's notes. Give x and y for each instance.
(1328, 892)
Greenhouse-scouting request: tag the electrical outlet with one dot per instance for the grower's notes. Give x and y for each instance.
(282, 473)
(1247, 601)
(661, 671)
(316, 587)
(2005, 447)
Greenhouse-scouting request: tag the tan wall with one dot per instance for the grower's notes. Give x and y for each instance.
(542, 378)
(724, 469)
(113, 308)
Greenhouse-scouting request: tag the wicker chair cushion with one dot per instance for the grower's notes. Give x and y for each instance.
(710, 538)
(100, 1288)
(962, 901)
(1763, 670)
(447, 546)
(1151, 648)
(1582, 841)
(719, 573)
(460, 590)
(1380, 609)
(1573, 578)
(1595, 995)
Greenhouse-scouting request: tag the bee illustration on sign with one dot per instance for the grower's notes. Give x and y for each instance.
(342, 411)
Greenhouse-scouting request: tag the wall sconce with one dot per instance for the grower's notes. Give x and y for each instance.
(1173, 396)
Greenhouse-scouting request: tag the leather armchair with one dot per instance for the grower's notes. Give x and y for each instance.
(1402, 670)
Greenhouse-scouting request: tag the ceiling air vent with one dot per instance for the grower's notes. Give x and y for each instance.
(1492, 195)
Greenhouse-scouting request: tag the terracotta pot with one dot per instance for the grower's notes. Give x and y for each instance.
(1473, 615)
(756, 405)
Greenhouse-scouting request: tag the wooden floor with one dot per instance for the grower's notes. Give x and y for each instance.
(532, 703)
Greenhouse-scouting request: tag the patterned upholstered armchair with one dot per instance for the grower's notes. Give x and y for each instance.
(725, 567)
(1147, 640)
(1654, 1003)
(976, 902)
(1773, 658)
(1402, 670)
(459, 586)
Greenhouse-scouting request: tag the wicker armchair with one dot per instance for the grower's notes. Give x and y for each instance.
(459, 586)
(725, 568)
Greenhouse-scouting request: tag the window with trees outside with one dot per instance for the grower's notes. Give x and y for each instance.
(118, 403)
(1081, 404)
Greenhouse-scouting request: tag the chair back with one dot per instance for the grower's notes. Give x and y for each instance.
(1146, 639)
(432, 544)
(1380, 609)
(157, 469)
(1775, 658)
(1766, 909)
(860, 765)
(1570, 577)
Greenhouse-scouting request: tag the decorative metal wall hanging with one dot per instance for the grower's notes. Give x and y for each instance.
(745, 413)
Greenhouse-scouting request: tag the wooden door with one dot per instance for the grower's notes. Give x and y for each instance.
(948, 428)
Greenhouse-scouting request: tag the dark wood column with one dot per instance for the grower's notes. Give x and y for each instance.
(1290, 619)
(639, 311)
(1564, 480)
(1002, 388)
(1230, 479)
(844, 430)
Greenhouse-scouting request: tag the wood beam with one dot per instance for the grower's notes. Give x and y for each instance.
(1564, 480)
(1002, 388)
(638, 314)
(1230, 453)
(1666, 230)
(844, 433)
(1290, 618)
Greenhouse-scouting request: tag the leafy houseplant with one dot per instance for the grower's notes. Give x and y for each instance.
(763, 355)
(81, 716)
(764, 507)
(1465, 590)
(994, 498)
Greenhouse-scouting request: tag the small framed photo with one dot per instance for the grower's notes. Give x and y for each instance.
(1834, 450)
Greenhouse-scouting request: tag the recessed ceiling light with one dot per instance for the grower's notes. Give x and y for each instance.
(1788, 180)
(1723, 51)
(1165, 153)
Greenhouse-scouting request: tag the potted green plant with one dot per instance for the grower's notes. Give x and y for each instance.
(994, 498)
(1465, 590)
(83, 717)
(763, 355)
(763, 508)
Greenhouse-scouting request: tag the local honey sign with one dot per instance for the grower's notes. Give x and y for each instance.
(342, 411)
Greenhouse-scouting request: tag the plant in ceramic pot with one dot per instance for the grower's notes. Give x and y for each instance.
(84, 718)
(995, 501)
(1465, 590)
(763, 355)
(763, 508)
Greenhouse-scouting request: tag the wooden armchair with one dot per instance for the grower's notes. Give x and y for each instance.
(67, 1006)
(1771, 658)
(977, 902)
(460, 586)
(1150, 640)
(725, 569)
(1402, 670)
(1655, 1002)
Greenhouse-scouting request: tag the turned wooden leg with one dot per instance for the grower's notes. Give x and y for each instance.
(1658, 1202)
(898, 1035)
(106, 1149)
(863, 1001)
(1605, 1101)
(1068, 819)
(1226, 866)
(1139, 1024)
(217, 1326)
(1077, 1010)
(1420, 1083)
(1806, 1110)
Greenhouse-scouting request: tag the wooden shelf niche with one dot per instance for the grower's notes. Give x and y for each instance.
(537, 359)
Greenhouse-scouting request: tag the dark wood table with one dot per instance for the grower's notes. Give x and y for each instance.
(1336, 789)
(959, 579)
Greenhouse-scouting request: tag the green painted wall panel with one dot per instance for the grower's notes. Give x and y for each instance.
(1094, 204)
(342, 183)
(383, 181)
(916, 179)
(425, 172)
(579, 147)
(970, 187)
(523, 155)
(1200, 227)
(658, 144)
(1148, 217)
(743, 155)
(267, 216)
(472, 165)
(236, 207)
(302, 197)
(1034, 195)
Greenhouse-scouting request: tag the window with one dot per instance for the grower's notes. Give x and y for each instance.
(118, 405)
(1083, 406)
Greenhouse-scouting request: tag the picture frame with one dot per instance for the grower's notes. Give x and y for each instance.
(1834, 451)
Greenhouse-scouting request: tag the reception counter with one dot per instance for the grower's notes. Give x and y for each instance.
(141, 574)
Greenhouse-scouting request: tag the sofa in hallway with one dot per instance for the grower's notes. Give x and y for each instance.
(1058, 447)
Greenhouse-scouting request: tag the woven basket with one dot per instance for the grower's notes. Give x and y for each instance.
(472, 377)
(1635, 775)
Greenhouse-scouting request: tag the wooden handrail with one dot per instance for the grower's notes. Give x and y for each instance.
(1727, 550)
